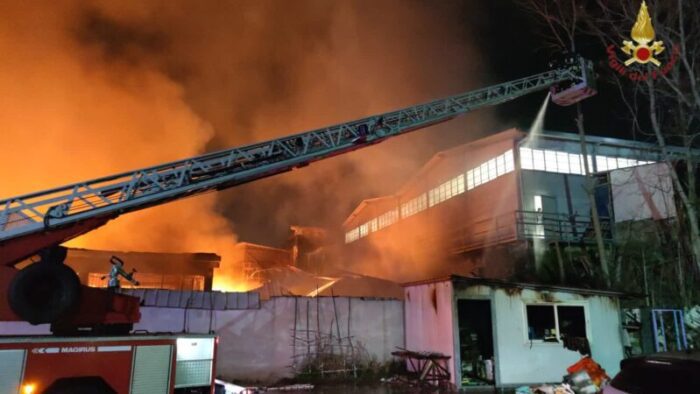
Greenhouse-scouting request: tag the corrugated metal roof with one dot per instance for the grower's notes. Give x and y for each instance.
(210, 300)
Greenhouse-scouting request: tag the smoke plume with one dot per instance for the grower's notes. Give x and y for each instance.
(93, 88)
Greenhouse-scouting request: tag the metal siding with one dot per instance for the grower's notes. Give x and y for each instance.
(149, 364)
(11, 369)
(193, 373)
(195, 358)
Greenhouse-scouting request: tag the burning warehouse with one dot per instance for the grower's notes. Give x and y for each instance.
(493, 207)
(171, 271)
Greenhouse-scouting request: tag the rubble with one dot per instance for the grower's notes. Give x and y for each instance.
(585, 377)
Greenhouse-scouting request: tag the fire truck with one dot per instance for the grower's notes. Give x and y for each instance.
(39, 288)
(137, 364)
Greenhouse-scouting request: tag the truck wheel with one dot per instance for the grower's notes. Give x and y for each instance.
(85, 385)
(44, 292)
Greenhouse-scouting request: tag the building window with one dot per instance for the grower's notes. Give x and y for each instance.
(549, 323)
(372, 225)
(572, 321)
(541, 323)
(490, 170)
(415, 205)
(526, 159)
(364, 230)
(569, 163)
(576, 164)
(446, 190)
(538, 160)
(352, 235)
(510, 161)
(388, 218)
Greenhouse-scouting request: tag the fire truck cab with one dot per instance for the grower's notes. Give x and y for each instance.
(135, 364)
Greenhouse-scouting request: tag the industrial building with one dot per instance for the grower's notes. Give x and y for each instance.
(170, 271)
(481, 209)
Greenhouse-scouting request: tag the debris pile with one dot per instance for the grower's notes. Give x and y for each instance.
(585, 377)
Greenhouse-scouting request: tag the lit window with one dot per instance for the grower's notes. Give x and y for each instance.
(570, 163)
(491, 164)
(601, 163)
(563, 162)
(538, 160)
(434, 196)
(422, 202)
(501, 165)
(363, 230)
(510, 163)
(484, 168)
(387, 219)
(352, 235)
(526, 159)
(477, 176)
(575, 163)
(550, 161)
(372, 224)
(460, 184)
(414, 205)
(470, 179)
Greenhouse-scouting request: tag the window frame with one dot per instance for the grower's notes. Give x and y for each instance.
(558, 342)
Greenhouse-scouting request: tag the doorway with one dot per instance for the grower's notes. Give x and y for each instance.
(476, 343)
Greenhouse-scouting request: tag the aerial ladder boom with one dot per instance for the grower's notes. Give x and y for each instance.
(48, 291)
(34, 221)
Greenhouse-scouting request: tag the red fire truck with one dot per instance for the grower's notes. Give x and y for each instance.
(134, 364)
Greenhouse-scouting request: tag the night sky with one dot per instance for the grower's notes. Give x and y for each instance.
(513, 48)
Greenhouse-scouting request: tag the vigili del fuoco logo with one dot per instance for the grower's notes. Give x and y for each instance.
(642, 50)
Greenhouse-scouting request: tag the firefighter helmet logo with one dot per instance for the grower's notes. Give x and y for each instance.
(644, 49)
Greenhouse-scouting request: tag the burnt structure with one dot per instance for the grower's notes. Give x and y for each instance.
(170, 271)
(484, 208)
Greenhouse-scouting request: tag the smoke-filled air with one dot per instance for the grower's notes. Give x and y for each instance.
(93, 88)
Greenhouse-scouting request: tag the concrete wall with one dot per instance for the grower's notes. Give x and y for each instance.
(259, 345)
(519, 360)
(429, 320)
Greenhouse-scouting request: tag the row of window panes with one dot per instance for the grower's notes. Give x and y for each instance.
(415, 205)
(490, 170)
(352, 235)
(570, 163)
(485, 172)
(376, 224)
(446, 190)
(387, 219)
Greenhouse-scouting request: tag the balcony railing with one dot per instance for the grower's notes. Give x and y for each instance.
(524, 225)
(559, 227)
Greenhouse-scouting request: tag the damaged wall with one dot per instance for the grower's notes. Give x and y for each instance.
(432, 324)
(428, 319)
(523, 361)
(259, 345)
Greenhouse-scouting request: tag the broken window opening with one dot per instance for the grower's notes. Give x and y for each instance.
(541, 323)
(553, 323)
